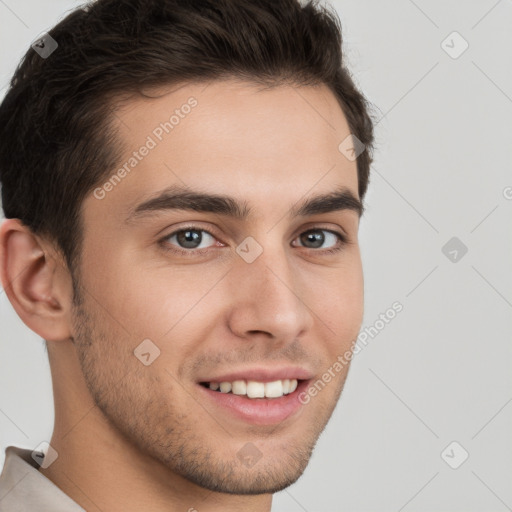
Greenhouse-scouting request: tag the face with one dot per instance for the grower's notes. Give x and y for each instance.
(183, 291)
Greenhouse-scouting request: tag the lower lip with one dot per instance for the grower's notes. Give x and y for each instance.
(258, 411)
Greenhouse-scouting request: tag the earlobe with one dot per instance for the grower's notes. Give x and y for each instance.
(35, 281)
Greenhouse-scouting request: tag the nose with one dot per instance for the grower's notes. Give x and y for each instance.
(268, 296)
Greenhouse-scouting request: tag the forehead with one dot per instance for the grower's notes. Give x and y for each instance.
(267, 146)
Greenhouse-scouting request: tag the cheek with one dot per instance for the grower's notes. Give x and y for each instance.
(339, 307)
(151, 299)
(159, 302)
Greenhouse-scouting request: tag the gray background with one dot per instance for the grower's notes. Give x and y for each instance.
(440, 370)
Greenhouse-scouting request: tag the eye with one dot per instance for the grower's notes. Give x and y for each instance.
(317, 238)
(187, 241)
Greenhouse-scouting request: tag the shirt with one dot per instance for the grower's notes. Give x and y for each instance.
(24, 489)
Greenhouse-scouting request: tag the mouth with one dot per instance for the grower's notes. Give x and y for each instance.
(254, 389)
(258, 403)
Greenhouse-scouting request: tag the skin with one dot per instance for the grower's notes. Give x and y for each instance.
(131, 436)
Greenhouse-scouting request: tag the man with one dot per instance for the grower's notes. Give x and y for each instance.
(182, 183)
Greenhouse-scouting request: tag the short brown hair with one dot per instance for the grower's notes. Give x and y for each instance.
(56, 131)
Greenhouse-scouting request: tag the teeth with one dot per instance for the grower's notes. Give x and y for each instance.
(274, 389)
(225, 387)
(239, 387)
(254, 389)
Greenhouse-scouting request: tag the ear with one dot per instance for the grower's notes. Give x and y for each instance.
(36, 281)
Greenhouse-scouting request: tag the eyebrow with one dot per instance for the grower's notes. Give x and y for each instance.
(183, 198)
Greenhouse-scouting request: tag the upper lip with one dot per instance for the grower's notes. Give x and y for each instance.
(263, 374)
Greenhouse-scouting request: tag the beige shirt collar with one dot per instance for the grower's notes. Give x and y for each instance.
(24, 489)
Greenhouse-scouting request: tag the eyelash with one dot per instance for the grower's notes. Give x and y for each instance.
(342, 242)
